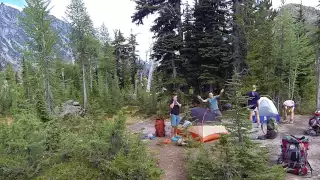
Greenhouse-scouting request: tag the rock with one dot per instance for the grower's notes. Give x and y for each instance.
(71, 108)
(76, 103)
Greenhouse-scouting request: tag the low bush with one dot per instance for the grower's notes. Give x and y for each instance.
(73, 148)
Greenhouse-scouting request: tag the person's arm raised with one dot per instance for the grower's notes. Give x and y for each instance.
(203, 100)
(222, 90)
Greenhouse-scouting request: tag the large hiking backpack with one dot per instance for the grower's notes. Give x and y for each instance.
(160, 128)
(294, 155)
(314, 124)
(272, 129)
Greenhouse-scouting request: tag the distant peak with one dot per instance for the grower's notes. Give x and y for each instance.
(14, 7)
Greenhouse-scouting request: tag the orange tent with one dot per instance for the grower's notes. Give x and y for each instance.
(205, 133)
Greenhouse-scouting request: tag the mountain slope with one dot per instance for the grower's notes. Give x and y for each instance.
(13, 38)
(310, 13)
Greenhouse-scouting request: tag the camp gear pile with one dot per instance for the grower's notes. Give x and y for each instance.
(294, 156)
(314, 124)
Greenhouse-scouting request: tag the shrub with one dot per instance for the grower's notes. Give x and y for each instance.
(73, 148)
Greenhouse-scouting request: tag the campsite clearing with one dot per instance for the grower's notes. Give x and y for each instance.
(172, 158)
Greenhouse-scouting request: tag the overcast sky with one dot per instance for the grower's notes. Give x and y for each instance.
(116, 14)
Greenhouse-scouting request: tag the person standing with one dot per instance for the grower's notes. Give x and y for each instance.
(288, 106)
(253, 103)
(174, 114)
(213, 103)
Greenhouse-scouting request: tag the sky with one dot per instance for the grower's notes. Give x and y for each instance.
(116, 14)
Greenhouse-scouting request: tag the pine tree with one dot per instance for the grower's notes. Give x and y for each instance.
(189, 51)
(243, 27)
(212, 33)
(82, 31)
(305, 67)
(104, 35)
(316, 42)
(133, 57)
(36, 23)
(260, 58)
(168, 31)
(122, 56)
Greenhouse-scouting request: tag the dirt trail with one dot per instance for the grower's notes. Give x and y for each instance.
(296, 129)
(172, 160)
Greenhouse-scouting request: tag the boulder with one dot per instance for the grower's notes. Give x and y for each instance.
(71, 108)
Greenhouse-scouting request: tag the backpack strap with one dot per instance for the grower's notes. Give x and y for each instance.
(309, 167)
(262, 129)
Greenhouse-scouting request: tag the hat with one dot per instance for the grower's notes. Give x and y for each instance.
(254, 87)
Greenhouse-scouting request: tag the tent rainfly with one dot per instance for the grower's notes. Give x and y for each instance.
(267, 109)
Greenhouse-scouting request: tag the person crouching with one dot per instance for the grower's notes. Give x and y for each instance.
(288, 106)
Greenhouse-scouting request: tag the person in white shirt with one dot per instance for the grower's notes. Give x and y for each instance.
(288, 106)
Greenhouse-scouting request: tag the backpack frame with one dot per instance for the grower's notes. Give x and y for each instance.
(295, 159)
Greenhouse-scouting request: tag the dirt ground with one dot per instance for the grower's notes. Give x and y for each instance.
(172, 160)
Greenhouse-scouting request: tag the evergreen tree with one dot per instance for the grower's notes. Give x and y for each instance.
(82, 31)
(305, 57)
(189, 51)
(243, 27)
(36, 23)
(168, 31)
(104, 35)
(316, 42)
(122, 56)
(133, 57)
(212, 34)
(260, 58)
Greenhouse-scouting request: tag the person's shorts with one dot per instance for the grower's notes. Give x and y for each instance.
(216, 112)
(289, 108)
(254, 109)
(175, 120)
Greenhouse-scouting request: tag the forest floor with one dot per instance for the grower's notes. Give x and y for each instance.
(172, 158)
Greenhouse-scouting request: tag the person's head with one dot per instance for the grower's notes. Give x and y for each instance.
(211, 95)
(254, 88)
(174, 95)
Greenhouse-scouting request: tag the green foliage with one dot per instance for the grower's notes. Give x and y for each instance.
(37, 24)
(72, 148)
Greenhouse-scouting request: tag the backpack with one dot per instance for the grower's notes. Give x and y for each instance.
(160, 128)
(272, 131)
(294, 156)
(314, 124)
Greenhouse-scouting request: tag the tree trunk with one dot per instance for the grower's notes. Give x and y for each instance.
(107, 83)
(236, 36)
(63, 79)
(90, 75)
(84, 85)
(318, 79)
(48, 94)
(150, 76)
(136, 85)
(174, 71)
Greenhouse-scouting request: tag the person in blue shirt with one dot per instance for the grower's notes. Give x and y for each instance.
(253, 104)
(213, 103)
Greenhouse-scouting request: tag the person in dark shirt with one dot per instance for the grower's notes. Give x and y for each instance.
(253, 103)
(174, 114)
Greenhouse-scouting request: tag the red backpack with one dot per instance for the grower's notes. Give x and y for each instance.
(294, 155)
(160, 128)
